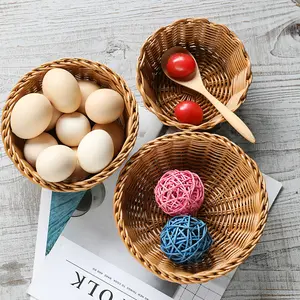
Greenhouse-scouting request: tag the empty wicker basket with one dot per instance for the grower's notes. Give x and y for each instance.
(220, 56)
(81, 69)
(235, 205)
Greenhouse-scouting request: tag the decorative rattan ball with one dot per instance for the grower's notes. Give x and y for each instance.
(179, 192)
(185, 239)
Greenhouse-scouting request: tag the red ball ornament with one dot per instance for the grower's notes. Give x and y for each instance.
(189, 112)
(180, 65)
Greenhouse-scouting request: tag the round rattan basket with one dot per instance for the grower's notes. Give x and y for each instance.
(81, 69)
(235, 204)
(220, 55)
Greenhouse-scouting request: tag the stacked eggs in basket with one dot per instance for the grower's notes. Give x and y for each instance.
(82, 151)
(67, 125)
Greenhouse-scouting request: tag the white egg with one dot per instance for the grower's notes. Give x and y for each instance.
(95, 151)
(79, 174)
(31, 115)
(86, 88)
(33, 147)
(55, 117)
(104, 106)
(62, 89)
(56, 163)
(116, 131)
(71, 128)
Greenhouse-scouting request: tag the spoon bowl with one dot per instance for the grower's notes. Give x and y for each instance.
(191, 81)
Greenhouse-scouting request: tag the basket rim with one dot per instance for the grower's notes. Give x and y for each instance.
(23, 166)
(223, 268)
(149, 103)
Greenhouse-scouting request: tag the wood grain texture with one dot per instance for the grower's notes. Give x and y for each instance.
(33, 32)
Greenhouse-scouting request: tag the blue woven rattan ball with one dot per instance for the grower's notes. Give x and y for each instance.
(185, 239)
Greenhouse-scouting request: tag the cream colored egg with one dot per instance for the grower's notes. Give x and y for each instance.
(104, 106)
(79, 174)
(71, 128)
(56, 163)
(95, 151)
(35, 146)
(116, 131)
(55, 117)
(86, 88)
(62, 89)
(31, 115)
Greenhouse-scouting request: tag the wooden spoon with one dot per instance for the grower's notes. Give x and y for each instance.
(195, 83)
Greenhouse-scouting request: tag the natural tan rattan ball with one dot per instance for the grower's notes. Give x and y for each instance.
(235, 205)
(81, 69)
(220, 56)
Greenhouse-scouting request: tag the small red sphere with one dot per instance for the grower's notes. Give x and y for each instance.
(189, 112)
(180, 65)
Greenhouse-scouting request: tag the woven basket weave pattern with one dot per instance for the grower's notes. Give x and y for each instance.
(235, 206)
(81, 69)
(220, 56)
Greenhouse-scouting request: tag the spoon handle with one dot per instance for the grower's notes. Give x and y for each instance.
(231, 117)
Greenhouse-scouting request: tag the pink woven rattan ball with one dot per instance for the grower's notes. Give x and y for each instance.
(179, 192)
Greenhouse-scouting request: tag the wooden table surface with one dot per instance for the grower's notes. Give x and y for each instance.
(33, 32)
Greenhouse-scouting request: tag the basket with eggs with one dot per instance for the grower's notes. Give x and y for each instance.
(69, 124)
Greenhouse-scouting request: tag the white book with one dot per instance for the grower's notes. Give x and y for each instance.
(90, 260)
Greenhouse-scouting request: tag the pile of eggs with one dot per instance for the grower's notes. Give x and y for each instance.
(72, 129)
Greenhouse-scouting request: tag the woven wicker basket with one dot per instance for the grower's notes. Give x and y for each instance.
(235, 205)
(81, 69)
(220, 56)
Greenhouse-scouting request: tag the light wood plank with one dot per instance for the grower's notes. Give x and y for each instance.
(112, 32)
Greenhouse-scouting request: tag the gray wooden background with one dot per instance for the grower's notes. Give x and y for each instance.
(34, 31)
